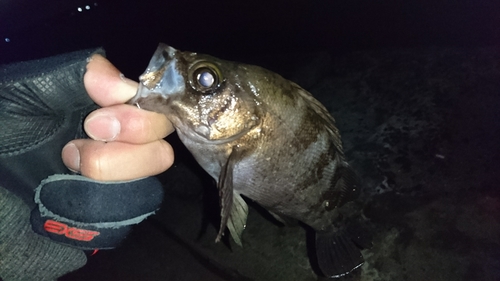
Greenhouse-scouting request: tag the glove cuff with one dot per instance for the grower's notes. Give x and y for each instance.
(87, 214)
(25, 256)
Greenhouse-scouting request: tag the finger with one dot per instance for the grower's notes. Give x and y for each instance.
(127, 123)
(114, 161)
(105, 84)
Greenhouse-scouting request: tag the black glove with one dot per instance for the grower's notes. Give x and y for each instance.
(42, 106)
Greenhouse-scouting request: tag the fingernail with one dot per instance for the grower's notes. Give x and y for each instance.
(72, 157)
(129, 88)
(102, 127)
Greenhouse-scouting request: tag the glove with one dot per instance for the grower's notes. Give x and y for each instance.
(26, 256)
(42, 106)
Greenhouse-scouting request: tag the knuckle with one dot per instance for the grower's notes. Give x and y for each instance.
(93, 163)
(167, 157)
(136, 124)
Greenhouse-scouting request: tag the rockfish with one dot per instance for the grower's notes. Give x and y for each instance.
(260, 136)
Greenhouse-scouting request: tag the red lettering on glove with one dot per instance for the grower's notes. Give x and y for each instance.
(70, 232)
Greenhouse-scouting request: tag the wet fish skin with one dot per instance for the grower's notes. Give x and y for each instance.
(260, 136)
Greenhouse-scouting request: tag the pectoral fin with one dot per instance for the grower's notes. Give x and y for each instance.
(237, 218)
(234, 209)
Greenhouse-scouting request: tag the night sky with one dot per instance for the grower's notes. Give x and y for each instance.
(237, 30)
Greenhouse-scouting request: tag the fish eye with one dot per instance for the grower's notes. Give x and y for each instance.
(204, 77)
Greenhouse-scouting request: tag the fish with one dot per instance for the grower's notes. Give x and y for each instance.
(261, 137)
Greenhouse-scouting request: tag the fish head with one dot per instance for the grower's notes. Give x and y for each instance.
(204, 97)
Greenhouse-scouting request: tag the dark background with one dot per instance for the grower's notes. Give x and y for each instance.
(130, 30)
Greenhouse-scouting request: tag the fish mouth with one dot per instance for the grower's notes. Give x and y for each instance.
(204, 134)
(162, 76)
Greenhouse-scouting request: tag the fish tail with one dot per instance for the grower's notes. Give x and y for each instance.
(337, 254)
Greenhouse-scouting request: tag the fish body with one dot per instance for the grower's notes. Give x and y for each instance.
(261, 136)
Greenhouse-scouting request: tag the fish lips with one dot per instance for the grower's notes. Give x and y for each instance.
(162, 76)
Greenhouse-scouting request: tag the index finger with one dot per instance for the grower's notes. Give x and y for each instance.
(105, 84)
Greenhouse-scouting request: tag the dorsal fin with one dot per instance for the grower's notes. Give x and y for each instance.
(318, 108)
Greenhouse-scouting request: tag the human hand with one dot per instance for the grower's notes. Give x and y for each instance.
(122, 135)
(42, 107)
